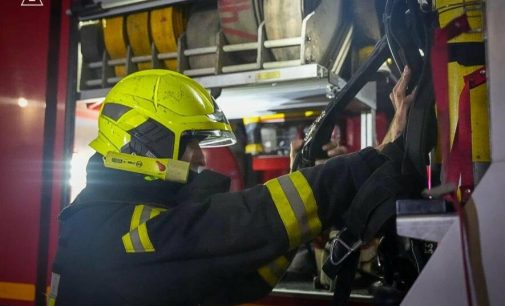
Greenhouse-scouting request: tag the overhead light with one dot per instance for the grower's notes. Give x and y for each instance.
(22, 102)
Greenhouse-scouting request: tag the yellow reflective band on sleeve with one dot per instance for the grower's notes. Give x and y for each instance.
(128, 244)
(296, 204)
(135, 222)
(144, 238)
(137, 239)
(155, 212)
(309, 201)
(285, 211)
(273, 271)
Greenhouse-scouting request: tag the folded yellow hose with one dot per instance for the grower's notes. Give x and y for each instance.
(137, 27)
(115, 41)
(167, 24)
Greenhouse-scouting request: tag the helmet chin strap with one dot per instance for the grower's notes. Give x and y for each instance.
(161, 168)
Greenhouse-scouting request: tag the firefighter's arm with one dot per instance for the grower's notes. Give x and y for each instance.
(333, 186)
(401, 103)
(247, 234)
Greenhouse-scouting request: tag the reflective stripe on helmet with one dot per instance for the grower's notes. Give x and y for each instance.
(296, 204)
(137, 239)
(273, 271)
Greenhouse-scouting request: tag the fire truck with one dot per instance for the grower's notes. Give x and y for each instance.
(317, 70)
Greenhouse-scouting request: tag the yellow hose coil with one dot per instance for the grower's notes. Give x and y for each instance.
(167, 24)
(115, 41)
(137, 27)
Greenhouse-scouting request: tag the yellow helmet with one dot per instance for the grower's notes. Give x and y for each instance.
(151, 113)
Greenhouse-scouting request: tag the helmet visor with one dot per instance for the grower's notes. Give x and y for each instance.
(211, 139)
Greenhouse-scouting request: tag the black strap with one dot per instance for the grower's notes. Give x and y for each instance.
(420, 133)
(321, 128)
(343, 283)
(372, 207)
(421, 129)
(403, 37)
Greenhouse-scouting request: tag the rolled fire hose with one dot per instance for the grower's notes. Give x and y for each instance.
(167, 24)
(115, 41)
(239, 22)
(203, 26)
(283, 19)
(137, 27)
(92, 47)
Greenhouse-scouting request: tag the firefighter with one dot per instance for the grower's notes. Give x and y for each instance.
(150, 228)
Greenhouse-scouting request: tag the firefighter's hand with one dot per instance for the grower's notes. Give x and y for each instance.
(295, 146)
(332, 148)
(399, 95)
(401, 103)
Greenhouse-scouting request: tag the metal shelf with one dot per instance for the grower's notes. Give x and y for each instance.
(252, 93)
(272, 77)
(247, 89)
(108, 8)
(296, 73)
(425, 227)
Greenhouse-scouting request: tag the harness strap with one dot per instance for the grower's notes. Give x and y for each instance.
(439, 60)
(343, 284)
(372, 207)
(321, 128)
(460, 156)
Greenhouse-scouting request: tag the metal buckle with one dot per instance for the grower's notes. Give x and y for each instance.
(350, 249)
